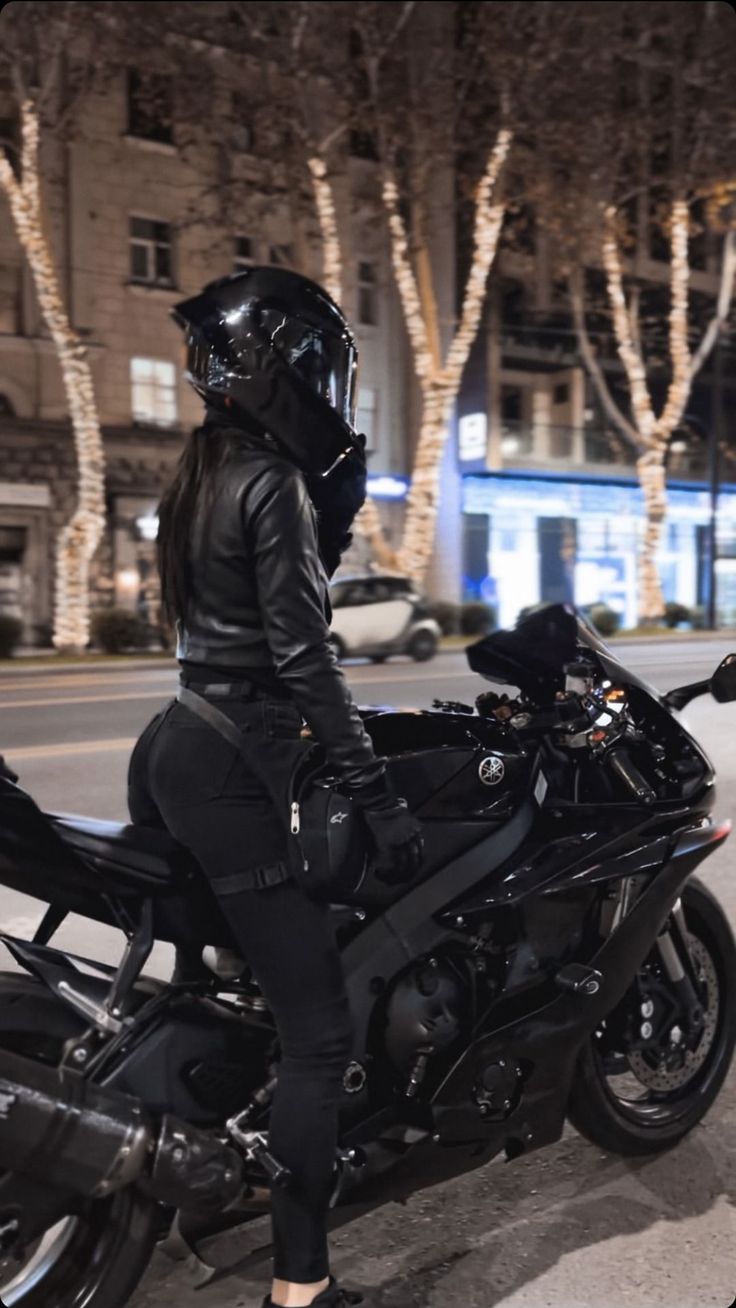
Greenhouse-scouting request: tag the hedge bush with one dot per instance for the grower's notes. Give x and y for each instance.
(117, 630)
(476, 618)
(11, 630)
(606, 621)
(446, 615)
(674, 614)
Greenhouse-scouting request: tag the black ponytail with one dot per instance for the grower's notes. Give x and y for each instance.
(192, 486)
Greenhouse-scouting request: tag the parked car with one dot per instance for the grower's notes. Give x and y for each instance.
(379, 615)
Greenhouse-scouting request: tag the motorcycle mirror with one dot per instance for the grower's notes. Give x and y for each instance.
(723, 681)
(683, 695)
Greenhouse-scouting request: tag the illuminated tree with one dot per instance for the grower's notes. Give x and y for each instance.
(449, 93)
(636, 164)
(43, 88)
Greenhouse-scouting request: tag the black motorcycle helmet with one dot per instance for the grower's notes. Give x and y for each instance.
(271, 348)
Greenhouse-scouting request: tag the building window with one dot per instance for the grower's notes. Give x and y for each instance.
(243, 256)
(362, 141)
(511, 403)
(363, 145)
(561, 393)
(10, 143)
(242, 130)
(153, 391)
(150, 115)
(367, 294)
(281, 256)
(698, 236)
(150, 252)
(10, 299)
(366, 416)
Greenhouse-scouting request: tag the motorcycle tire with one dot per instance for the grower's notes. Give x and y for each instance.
(96, 1258)
(663, 1117)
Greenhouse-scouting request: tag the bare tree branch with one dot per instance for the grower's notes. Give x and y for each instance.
(594, 368)
(723, 305)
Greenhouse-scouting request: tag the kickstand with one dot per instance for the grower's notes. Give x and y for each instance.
(181, 1248)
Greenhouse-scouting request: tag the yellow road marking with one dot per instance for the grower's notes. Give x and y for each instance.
(72, 747)
(85, 699)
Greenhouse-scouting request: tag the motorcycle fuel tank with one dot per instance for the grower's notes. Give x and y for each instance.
(453, 765)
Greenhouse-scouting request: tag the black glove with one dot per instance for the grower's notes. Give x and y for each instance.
(397, 837)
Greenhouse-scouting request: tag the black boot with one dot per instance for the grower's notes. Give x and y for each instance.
(335, 1296)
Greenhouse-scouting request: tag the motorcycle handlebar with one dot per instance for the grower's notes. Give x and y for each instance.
(619, 761)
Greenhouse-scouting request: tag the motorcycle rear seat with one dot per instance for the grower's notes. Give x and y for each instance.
(147, 851)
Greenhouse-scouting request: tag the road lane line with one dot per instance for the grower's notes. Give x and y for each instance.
(70, 683)
(28, 752)
(85, 699)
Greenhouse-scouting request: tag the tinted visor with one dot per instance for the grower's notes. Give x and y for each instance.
(326, 362)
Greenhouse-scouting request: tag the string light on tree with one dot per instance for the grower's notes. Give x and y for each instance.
(649, 434)
(439, 382)
(326, 216)
(80, 537)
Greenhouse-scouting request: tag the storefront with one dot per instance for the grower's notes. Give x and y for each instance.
(24, 556)
(529, 539)
(136, 581)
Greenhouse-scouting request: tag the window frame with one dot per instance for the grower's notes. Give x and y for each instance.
(150, 419)
(367, 285)
(153, 246)
(371, 437)
(159, 131)
(241, 262)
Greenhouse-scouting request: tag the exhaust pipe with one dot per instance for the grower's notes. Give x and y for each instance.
(58, 1128)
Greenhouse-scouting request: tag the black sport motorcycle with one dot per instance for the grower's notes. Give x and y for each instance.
(557, 960)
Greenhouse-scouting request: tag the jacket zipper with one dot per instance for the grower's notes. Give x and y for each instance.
(295, 820)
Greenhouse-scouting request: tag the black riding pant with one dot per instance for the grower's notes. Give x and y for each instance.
(185, 774)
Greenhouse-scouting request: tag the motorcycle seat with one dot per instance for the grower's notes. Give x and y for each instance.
(146, 854)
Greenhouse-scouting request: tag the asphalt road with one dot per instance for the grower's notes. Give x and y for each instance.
(567, 1227)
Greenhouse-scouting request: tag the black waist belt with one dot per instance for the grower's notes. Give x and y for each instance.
(228, 689)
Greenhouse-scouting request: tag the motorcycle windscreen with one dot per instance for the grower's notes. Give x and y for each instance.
(533, 655)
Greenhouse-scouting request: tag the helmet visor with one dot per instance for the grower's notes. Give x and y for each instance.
(325, 361)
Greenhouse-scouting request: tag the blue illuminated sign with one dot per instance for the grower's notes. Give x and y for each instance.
(388, 488)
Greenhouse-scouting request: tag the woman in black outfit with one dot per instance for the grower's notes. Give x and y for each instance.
(256, 517)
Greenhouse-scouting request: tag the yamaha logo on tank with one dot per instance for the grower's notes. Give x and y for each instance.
(491, 770)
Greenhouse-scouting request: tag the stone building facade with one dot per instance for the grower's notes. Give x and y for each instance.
(130, 240)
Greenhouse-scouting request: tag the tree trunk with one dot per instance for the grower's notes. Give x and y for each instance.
(423, 500)
(79, 539)
(651, 472)
(368, 524)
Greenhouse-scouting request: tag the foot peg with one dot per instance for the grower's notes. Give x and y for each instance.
(254, 1145)
(278, 1175)
(579, 980)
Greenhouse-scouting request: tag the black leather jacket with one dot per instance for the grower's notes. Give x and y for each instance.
(260, 599)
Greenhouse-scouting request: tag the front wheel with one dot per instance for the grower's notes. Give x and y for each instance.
(422, 646)
(95, 1256)
(645, 1100)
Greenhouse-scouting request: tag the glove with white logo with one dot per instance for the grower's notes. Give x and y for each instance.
(396, 834)
(398, 841)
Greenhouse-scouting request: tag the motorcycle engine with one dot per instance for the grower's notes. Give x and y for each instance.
(423, 1013)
